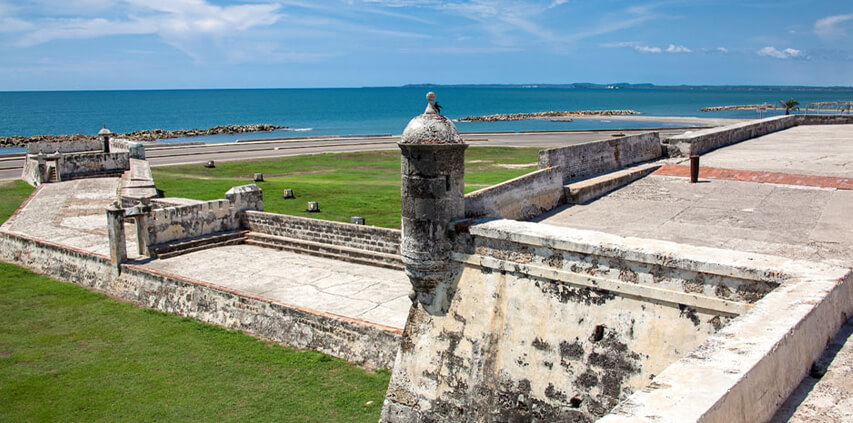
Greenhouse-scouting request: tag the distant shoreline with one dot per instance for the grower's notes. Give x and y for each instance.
(148, 135)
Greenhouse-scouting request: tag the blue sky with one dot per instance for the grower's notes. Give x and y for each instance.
(150, 44)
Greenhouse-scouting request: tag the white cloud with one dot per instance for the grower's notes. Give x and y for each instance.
(722, 50)
(678, 49)
(829, 27)
(787, 53)
(173, 20)
(642, 48)
(648, 49)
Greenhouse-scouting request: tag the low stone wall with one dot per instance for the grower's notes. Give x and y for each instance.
(555, 324)
(357, 342)
(824, 119)
(521, 198)
(134, 149)
(175, 223)
(182, 222)
(77, 146)
(593, 158)
(369, 238)
(92, 163)
(703, 141)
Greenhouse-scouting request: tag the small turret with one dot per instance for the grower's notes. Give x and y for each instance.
(433, 195)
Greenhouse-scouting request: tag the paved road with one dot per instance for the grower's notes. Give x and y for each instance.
(10, 168)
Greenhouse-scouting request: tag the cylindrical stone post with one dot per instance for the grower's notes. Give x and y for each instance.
(115, 232)
(433, 195)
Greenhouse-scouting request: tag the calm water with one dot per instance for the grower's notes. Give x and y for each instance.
(314, 112)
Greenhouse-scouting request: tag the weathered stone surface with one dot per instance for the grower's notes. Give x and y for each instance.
(369, 238)
(432, 196)
(520, 198)
(581, 160)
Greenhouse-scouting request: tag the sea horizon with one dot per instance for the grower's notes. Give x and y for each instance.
(311, 112)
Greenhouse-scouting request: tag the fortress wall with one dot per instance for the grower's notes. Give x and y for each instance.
(593, 158)
(72, 164)
(558, 324)
(182, 222)
(355, 341)
(521, 198)
(747, 370)
(370, 238)
(703, 141)
(134, 149)
(77, 146)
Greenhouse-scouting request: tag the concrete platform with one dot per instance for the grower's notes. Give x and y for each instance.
(825, 150)
(793, 222)
(73, 214)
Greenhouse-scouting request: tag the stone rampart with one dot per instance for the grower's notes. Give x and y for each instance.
(559, 324)
(65, 147)
(134, 149)
(355, 341)
(703, 141)
(369, 238)
(593, 158)
(71, 165)
(521, 198)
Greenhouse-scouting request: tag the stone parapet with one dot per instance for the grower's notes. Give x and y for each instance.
(593, 158)
(703, 141)
(520, 198)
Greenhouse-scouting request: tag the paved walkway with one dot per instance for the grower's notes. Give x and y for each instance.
(73, 214)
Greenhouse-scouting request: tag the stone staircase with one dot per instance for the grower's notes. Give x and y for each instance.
(370, 258)
(184, 246)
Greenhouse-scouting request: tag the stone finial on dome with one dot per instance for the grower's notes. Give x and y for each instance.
(430, 127)
(105, 131)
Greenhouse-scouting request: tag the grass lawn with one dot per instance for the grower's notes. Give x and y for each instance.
(67, 354)
(345, 184)
(12, 194)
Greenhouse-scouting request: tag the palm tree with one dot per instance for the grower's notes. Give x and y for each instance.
(790, 104)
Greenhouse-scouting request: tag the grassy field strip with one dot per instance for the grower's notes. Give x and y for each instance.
(67, 354)
(363, 184)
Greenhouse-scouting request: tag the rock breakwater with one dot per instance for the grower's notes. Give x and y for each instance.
(735, 107)
(147, 135)
(547, 115)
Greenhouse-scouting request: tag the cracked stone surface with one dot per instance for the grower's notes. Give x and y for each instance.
(357, 291)
(72, 213)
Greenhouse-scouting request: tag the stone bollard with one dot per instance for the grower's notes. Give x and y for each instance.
(259, 177)
(357, 220)
(433, 194)
(115, 233)
(287, 193)
(313, 207)
(210, 164)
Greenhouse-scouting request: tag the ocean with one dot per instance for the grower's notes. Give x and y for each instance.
(364, 111)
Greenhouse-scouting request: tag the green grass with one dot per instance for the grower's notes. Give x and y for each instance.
(67, 354)
(12, 194)
(345, 184)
